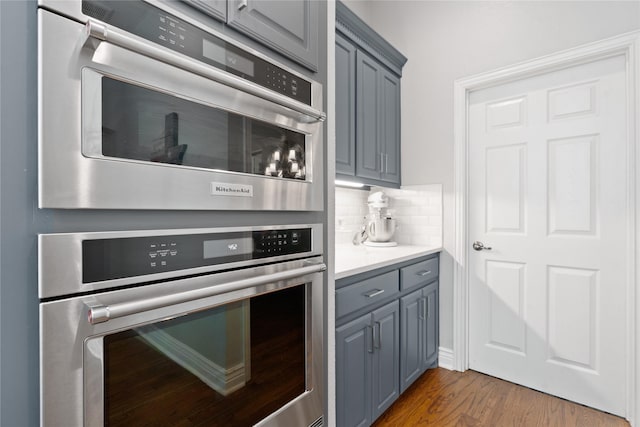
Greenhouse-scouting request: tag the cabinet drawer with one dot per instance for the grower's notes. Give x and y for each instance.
(419, 273)
(362, 294)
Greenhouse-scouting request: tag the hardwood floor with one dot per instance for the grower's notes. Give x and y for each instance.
(448, 398)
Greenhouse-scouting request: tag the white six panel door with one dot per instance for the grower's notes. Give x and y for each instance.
(547, 193)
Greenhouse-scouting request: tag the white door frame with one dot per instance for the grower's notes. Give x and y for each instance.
(627, 45)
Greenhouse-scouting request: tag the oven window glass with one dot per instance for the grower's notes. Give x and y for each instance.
(232, 365)
(145, 125)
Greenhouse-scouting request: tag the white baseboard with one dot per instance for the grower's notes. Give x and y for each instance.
(445, 358)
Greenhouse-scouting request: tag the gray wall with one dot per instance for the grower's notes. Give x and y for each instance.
(21, 220)
(448, 40)
(18, 222)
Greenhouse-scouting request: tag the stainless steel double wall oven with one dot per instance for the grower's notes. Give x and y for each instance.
(143, 107)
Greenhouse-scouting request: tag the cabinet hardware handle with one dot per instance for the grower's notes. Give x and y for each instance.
(423, 272)
(382, 162)
(426, 308)
(423, 314)
(386, 163)
(374, 293)
(370, 346)
(243, 4)
(378, 341)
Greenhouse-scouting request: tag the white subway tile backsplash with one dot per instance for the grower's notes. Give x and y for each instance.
(418, 210)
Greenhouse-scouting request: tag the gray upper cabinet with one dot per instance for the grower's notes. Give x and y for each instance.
(377, 121)
(289, 27)
(214, 8)
(367, 103)
(390, 127)
(369, 158)
(345, 106)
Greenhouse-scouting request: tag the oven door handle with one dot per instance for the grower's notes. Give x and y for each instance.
(102, 313)
(115, 36)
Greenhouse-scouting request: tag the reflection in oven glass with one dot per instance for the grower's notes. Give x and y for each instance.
(228, 366)
(145, 125)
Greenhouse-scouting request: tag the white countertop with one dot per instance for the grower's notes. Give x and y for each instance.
(352, 259)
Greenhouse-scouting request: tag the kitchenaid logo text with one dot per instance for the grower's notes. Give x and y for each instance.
(222, 189)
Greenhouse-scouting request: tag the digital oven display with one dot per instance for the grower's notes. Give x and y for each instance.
(223, 56)
(226, 247)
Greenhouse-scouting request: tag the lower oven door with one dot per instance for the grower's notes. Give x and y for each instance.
(238, 348)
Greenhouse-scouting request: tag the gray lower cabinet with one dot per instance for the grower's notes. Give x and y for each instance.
(353, 369)
(289, 27)
(386, 357)
(386, 337)
(368, 371)
(419, 333)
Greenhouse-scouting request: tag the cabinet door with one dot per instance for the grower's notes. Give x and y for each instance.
(354, 348)
(412, 329)
(345, 107)
(289, 27)
(390, 122)
(386, 357)
(214, 8)
(430, 296)
(369, 155)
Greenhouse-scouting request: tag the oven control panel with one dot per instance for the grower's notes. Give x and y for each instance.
(116, 258)
(170, 32)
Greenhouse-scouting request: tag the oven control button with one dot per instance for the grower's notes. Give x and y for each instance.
(153, 264)
(163, 262)
(173, 252)
(153, 254)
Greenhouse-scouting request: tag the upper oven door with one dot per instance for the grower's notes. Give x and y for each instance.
(125, 124)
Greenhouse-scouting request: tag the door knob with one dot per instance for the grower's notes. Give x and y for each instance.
(478, 246)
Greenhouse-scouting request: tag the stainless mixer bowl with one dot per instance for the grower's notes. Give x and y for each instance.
(380, 229)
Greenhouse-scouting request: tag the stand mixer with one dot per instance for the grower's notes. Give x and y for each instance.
(379, 225)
